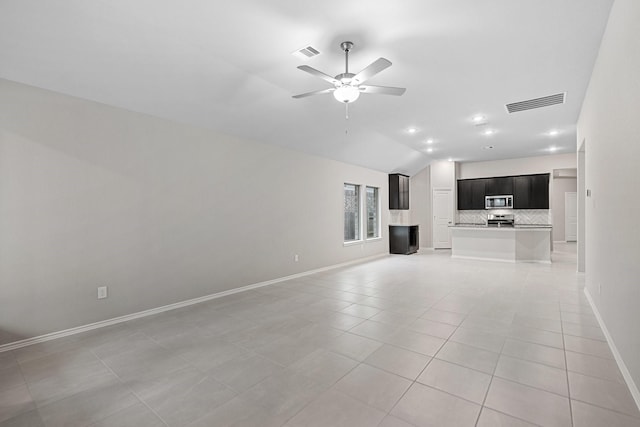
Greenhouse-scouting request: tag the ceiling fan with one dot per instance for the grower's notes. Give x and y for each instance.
(348, 86)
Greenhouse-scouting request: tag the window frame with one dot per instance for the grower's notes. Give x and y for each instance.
(378, 213)
(358, 227)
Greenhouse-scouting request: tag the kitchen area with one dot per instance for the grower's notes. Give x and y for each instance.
(510, 210)
(503, 219)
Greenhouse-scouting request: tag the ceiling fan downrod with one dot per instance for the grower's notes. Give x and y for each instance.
(346, 47)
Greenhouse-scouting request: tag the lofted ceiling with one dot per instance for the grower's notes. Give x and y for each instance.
(229, 67)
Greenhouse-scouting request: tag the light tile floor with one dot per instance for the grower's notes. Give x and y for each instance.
(419, 340)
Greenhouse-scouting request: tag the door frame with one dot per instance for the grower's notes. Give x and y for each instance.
(566, 216)
(451, 208)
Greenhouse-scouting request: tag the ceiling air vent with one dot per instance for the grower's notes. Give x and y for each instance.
(530, 104)
(307, 52)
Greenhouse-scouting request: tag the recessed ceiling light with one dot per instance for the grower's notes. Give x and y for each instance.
(429, 150)
(479, 119)
(553, 132)
(412, 130)
(450, 159)
(429, 141)
(489, 132)
(488, 147)
(552, 149)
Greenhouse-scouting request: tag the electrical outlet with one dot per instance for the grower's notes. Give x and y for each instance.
(102, 292)
(296, 258)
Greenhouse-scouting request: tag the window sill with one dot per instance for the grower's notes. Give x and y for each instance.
(374, 239)
(352, 242)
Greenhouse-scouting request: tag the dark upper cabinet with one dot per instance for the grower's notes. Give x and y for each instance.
(501, 186)
(521, 191)
(539, 198)
(471, 194)
(398, 191)
(531, 191)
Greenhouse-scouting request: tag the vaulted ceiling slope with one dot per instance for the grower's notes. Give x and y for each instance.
(228, 66)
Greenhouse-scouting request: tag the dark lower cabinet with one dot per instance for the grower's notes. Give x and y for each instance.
(403, 239)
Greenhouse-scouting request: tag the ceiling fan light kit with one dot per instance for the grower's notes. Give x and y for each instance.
(346, 94)
(348, 86)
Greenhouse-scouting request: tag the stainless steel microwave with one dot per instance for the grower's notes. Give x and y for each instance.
(498, 202)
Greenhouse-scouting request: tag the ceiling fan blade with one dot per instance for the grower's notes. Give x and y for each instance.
(320, 74)
(371, 70)
(384, 90)
(315, 92)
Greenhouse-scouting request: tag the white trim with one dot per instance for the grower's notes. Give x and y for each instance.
(91, 326)
(360, 211)
(379, 209)
(373, 239)
(633, 388)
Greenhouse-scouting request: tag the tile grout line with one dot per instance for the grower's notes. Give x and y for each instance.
(486, 394)
(26, 384)
(177, 305)
(410, 386)
(430, 361)
(129, 389)
(566, 369)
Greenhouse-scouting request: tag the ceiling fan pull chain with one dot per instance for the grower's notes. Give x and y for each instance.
(346, 118)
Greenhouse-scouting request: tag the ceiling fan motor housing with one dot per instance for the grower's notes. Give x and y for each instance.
(345, 78)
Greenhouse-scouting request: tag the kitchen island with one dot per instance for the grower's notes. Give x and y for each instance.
(520, 243)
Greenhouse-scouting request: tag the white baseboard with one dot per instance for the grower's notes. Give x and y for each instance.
(84, 328)
(633, 388)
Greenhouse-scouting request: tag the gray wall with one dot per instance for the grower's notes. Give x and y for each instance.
(92, 195)
(560, 186)
(610, 127)
(420, 205)
(520, 166)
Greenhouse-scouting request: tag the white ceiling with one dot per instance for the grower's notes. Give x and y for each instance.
(228, 66)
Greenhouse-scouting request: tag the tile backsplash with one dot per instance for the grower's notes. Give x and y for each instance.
(521, 216)
(398, 217)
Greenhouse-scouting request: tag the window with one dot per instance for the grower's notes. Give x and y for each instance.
(351, 212)
(373, 213)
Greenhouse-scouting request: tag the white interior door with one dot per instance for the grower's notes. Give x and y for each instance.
(442, 218)
(571, 216)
